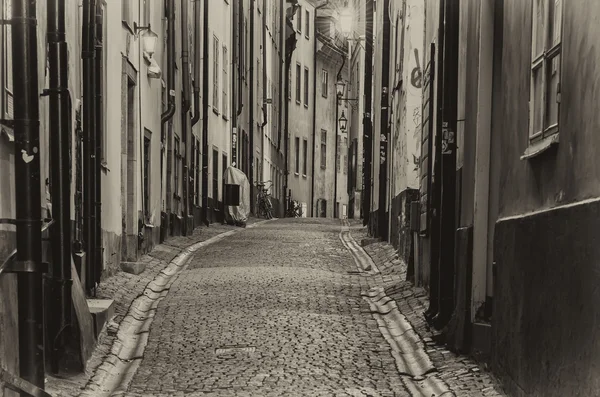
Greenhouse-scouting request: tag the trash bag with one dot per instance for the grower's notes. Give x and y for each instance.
(236, 196)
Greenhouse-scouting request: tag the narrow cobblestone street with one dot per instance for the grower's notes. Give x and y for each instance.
(275, 310)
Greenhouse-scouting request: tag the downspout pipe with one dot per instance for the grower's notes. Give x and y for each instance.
(252, 105)
(28, 192)
(204, 211)
(99, 127)
(59, 294)
(197, 58)
(89, 144)
(185, 119)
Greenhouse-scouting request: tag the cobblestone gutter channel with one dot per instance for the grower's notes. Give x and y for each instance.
(114, 375)
(413, 363)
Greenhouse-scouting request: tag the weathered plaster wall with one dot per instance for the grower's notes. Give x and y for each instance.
(301, 116)
(324, 177)
(571, 172)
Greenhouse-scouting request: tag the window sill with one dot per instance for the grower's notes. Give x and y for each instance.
(226, 118)
(304, 176)
(298, 102)
(538, 147)
(306, 105)
(323, 167)
(8, 133)
(215, 111)
(297, 174)
(104, 166)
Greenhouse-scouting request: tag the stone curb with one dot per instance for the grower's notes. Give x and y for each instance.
(460, 374)
(116, 371)
(408, 350)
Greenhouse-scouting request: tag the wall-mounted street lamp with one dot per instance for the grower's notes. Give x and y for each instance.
(149, 38)
(343, 122)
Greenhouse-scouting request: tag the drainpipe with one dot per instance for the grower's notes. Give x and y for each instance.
(167, 115)
(205, 116)
(265, 95)
(89, 144)
(251, 103)
(185, 71)
(60, 304)
(28, 192)
(99, 130)
(282, 58)
(197, 57)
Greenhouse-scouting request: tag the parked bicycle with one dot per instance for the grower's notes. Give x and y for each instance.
(294, 209)
(263, 200)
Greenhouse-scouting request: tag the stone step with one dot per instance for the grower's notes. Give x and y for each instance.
(133, 267)
(101, 310)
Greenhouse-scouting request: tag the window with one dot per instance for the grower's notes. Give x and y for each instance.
(545, 68)
(323, 149)
(6, 82)
(324, 83)
(298, 81)
(216, 74)
(215, 177)
(305, 157)
(345, 163)
(224, 164)
(299, 19)
(306, 87)
(258, 88)
(225, 82)
(147, 141)
(177, 165)
(127, 13)
(289, 93)
(307, 22)
(297, 142)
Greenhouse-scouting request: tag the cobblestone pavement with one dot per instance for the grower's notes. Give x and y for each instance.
(123, 288)
(271, 311)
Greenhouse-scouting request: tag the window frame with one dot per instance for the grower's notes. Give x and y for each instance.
(225, 94)
(298, 83)
(299, 19)
(147, 167)
(216, 74)
(323, 149)
(304, 157)
(306, 86)
(540, 63)
(324, 83)
(297, 150)
(307, 24)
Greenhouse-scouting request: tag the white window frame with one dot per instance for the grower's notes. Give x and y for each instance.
(216, 73)
(541, 61)
(225, 82)
(324, 83)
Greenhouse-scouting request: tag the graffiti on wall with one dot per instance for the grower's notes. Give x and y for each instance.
(416, 75)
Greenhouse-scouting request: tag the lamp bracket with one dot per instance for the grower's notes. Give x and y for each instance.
(137, 28)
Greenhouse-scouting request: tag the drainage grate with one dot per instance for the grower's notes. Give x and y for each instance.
(233, 351)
